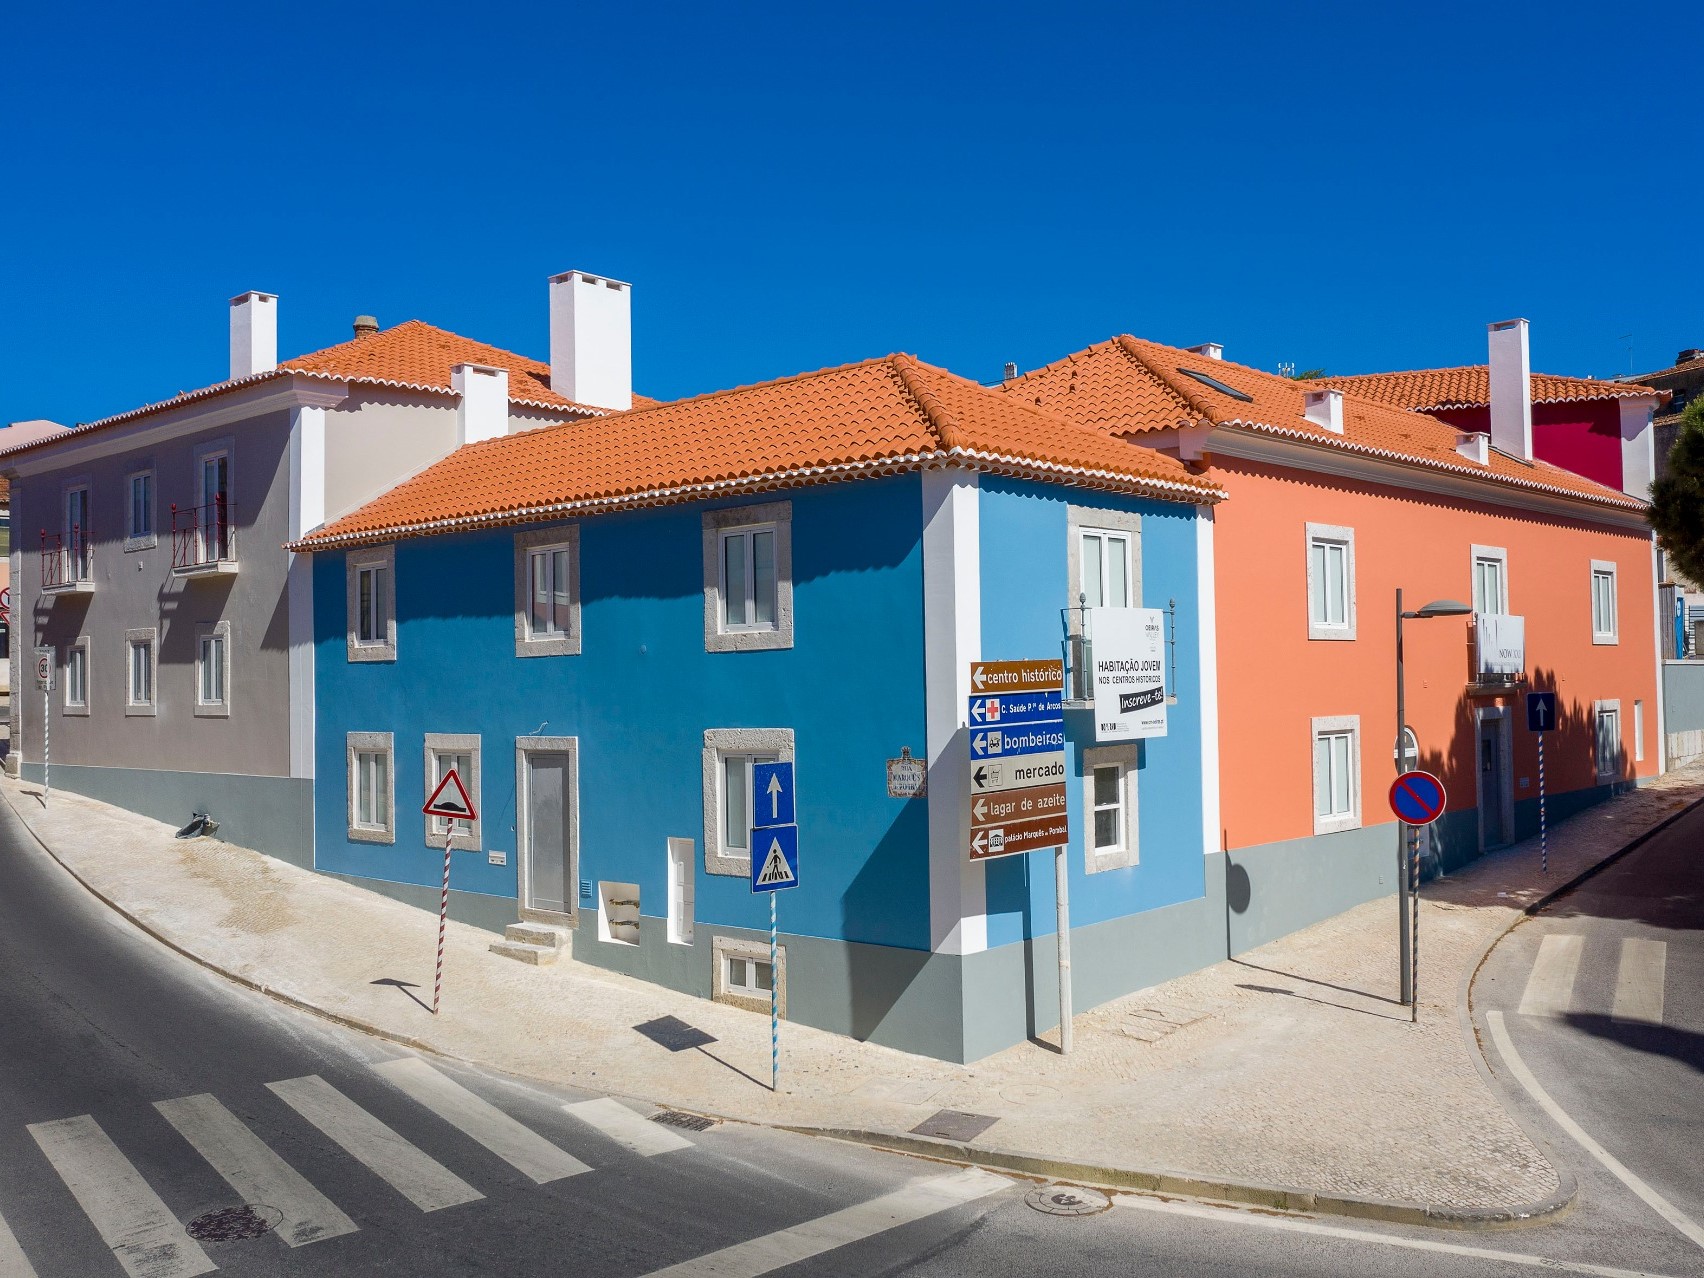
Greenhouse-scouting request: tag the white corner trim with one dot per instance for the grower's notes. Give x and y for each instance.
(1207, 604)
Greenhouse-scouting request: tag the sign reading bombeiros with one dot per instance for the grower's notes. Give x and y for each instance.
(1130, 672)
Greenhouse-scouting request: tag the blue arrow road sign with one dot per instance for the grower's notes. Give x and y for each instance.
(772, 794)
(775, 858)
(994, 710)
(1024, 738)
(1541, 712)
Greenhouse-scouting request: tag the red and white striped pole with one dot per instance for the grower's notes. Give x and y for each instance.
(443, 915)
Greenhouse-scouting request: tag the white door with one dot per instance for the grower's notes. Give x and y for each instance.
(548, 882)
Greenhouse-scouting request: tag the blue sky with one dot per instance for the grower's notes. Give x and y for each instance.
(1361, 187)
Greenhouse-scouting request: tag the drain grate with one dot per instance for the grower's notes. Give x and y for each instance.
(692, 1122)
(229, 1224)
(1067, 1200)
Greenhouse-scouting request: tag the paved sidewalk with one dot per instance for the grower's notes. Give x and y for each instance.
(1291, 1066)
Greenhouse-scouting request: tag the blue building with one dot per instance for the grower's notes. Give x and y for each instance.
(602, 626)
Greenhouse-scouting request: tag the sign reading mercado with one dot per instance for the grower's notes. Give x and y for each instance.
(1130, 672)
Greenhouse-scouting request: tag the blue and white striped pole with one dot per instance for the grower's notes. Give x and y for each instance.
(1543, 833)
(774, 1004)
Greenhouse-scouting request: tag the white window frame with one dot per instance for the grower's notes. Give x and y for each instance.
(719, 744)
(774, 515)
(1127, 852)
(1489, 554)
(682, 904)
(1119, 523)
(149, 636)
(723, 948)
(1335, 725)
(470, 836)
(150, 537)
(221, 631)
(1599, 710)
(383, 558)
(536, 541)
(1602, 570)
(355, 745)
(83, 484)
(1329, 535)
(204, 453)
(77, 649)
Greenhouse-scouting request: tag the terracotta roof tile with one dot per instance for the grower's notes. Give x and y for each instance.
(1427, 389)
(881, 416)
(1126, 386)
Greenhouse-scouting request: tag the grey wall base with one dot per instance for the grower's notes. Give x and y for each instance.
(274, 815)
(491, 913)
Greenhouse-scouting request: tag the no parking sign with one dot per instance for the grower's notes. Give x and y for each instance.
(1417, 798)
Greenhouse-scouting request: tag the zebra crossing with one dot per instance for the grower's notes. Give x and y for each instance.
(147, 1240)
(1640, 980)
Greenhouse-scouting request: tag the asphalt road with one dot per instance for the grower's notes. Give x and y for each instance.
(105, 1159)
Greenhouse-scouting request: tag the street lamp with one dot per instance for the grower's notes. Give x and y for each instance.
(1407, 868)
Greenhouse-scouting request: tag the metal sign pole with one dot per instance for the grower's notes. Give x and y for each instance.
(46, 754)
(1543, 833)
(1414, 924)
(1404, 941)
(1062, 923)
(443, 913)
(774, 1004)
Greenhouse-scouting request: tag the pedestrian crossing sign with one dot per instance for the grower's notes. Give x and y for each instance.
(775, 858)
(450, 800)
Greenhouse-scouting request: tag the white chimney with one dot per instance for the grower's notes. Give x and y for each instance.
(591, 340)
(1475, 445)
(1511, 389)
(254, 334)
(1324, 407)
(484, 409)
(1212, 350)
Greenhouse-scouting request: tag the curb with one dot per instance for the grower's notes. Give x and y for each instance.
(1592, 871)
(1272, 1197)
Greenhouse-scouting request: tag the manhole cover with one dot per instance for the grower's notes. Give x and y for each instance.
(1067, 1200)
(692, 1122)
(229, 1224)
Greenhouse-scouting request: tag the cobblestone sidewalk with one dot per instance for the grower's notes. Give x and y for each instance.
(1291, 1065)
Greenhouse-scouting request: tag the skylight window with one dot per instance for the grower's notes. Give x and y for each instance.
(1215, 384)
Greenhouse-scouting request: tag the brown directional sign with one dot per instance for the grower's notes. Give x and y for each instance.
(1019, 836)
(1017, 676)
(1008, 806)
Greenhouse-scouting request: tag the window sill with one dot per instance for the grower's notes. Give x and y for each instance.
(371, 651)
(75, 712)
(143, 712)
(1605, 641)
(1331, 634)
(1336, 825)
(566, 646)
(747, 640)
(357, 834)
(213, 568)
(84, 587)
(221, 711)
(133, 544)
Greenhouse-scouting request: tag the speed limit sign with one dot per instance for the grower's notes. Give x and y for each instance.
(44, 669)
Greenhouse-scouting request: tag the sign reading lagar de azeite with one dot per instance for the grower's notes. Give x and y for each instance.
(1130, 672)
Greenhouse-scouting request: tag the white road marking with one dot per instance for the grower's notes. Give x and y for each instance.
(1550, 987)
(13, 1262)
(519, 1146)
(624, 1127)
(1233, 1216)
(130, 1218)
(1662, 1206)
(1639, 981)
(251, 1168)
(409, 1170)
(789, 1246)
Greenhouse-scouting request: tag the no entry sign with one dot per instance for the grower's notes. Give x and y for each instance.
(1417, 798)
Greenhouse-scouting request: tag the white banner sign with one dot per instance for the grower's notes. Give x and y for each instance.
(1501, 643)
(1129, 670)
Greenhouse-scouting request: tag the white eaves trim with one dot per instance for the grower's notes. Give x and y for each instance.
(1016, 467)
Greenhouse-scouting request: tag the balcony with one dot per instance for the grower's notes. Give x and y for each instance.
(204, 540)
(67, 568)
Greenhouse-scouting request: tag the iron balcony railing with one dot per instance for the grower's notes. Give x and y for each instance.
(65, 559)
(203, 536)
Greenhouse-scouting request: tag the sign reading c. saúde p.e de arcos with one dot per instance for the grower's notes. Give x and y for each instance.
(1128, 646)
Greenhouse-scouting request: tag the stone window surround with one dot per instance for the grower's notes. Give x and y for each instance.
(149, 635)
(719, 742)
(78, 709)
(151, 538)
(1345, 537)
(561, 536)
(437, 743)
(369, 742)
(1611, 636)
(715, 523)
(1501, 555)
(722, 948)
(1350, 723)
(1613, 772)
(1125, 755)
(1080, 519)
(355, 560)
(219, 709)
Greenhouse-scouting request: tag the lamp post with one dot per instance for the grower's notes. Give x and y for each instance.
(1407, 880)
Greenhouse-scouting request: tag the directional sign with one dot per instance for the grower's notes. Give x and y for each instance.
(997, 710)
(1007, 806)
(772, 794)
(1017, 676)
(1541, 712)
(450, 800)
(1012, 837)
(1019, 772)
(1417, 798)
(775, 858)
(1028, 738)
